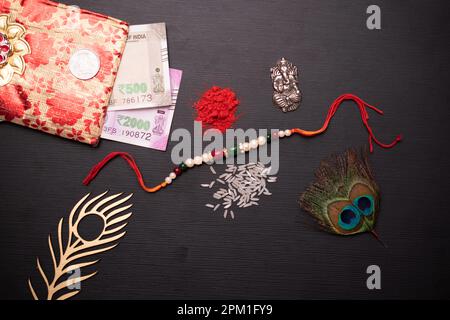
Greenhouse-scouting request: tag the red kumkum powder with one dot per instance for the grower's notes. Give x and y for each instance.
(216, 108)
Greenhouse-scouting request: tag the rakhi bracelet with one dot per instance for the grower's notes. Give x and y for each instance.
(207, 158)
(243, 147)
(210, 157)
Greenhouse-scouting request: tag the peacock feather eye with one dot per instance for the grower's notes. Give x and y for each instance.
(349, 218)
(344, 199)
(365, 204)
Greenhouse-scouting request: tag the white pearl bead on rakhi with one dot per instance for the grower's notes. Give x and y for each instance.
(168, 180)
(281, 133)
(198, 160)
(207, 157)
(262, 140)
(287, 132)
(246, 146)
(172, 175)
(254, 144)
(189, 162)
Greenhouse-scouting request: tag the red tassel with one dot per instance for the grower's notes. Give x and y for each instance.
(364, 117)
(128, 158)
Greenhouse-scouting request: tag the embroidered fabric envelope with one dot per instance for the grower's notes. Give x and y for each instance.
(58, 65)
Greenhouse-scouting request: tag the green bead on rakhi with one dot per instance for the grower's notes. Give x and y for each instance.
(232, 151)
(183, 167)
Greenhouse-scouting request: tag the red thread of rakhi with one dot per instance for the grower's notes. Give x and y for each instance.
(217, 108)
(362, 106)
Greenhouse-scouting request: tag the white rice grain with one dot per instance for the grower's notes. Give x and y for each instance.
(242, 186)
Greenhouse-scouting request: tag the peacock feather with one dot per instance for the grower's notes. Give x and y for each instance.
(67, 255)
(344, 199)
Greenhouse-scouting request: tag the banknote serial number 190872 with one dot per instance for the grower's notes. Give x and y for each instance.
(137, 134)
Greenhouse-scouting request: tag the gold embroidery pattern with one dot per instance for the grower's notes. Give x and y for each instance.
(13, 47)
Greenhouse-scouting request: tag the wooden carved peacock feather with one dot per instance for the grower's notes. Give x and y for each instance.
(76, 252)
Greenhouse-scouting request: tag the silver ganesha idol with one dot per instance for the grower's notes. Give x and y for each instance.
(286, 94)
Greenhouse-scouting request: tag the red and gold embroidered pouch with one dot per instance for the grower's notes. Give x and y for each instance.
(58, 65)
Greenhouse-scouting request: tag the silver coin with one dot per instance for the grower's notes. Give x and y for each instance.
(84, 64)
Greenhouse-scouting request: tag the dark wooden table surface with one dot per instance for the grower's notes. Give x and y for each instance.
(175, 247)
